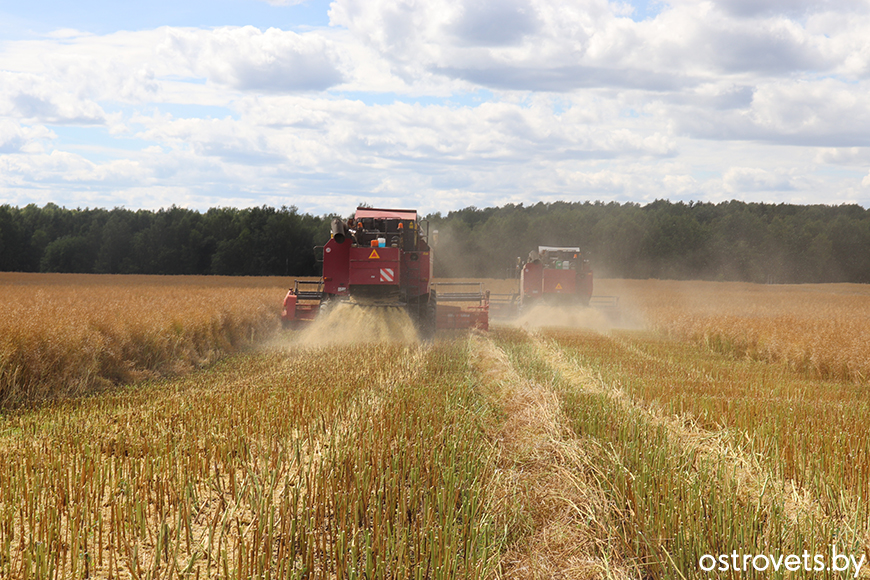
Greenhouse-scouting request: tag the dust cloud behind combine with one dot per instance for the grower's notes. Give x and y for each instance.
(542, 315)
(347, 323)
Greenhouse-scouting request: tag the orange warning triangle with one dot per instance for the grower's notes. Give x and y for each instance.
(558, 286)
(374, 255)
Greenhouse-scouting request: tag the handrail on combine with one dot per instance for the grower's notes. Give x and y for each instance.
(604, 302)
(459, 316)
(505, 304)
(308, 294)
(480, 295)
(504, 297)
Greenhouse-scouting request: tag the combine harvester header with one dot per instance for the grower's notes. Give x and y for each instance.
(382, 258)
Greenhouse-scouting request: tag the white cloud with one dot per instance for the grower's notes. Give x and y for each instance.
(826, 109)
(854, 156)
(516, 100)
(249, 59)
(550, 46)
(494, 22)
(793, 8)
(36, 99)
(15, 138)
(118, 67)
(63, 166)
(748, 179)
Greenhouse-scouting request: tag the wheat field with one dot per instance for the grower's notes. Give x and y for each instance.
(713, 422)
(68, 334)
(821, 329)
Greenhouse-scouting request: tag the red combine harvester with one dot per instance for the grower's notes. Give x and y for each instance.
(382, 258)
(558, 275)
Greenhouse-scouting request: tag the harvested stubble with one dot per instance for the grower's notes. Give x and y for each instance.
(396, 460)
(811, 432)
(65, 334)
(708, 455)
(822, 329)
(355, 462)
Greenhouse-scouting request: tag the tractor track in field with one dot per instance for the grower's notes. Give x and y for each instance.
(721, 448)
(543, 469)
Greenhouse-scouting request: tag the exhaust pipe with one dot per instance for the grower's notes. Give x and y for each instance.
(339, 231)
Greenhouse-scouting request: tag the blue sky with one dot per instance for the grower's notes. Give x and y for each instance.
(36, 17)
(433, 104)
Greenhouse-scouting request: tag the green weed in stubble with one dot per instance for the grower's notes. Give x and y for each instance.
(800, 429)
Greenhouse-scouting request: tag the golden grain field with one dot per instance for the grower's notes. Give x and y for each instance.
(65, 334)
(821, 329)
(716, 424)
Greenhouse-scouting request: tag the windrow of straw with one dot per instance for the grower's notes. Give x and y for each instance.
(64, 335)
(810, 432)
(545, 492)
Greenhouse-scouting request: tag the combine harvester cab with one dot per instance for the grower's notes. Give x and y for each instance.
(379, 258)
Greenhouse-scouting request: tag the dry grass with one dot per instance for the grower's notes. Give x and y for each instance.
(63, 335)
(819, 329)
(822, 329)
(686, 482)
(717, 446)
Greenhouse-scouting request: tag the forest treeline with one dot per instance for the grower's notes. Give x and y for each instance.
(726, 241)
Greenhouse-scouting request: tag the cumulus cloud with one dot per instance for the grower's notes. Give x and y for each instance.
(548, 46)
(460, 102)
(748, 179)
(494, 22)
(407, 133)
(794, 8)
(119, 67)
(249, 59)
(65, 167)
(420, 37)
(40, 100)
(822, 113)
(15, 138)
(844, 156)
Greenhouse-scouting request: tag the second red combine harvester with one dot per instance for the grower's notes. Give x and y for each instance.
(382, 258)
(555, 275)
